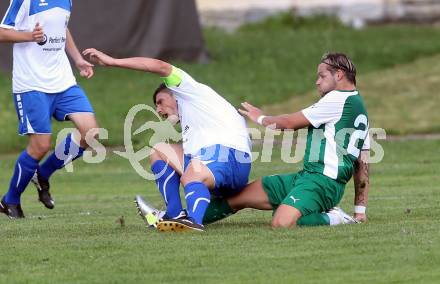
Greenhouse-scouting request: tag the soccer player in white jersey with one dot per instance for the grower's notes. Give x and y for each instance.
(214, 157)
(337, 148)
(44, 87)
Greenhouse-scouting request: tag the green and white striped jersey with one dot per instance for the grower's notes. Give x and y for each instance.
(338, 132)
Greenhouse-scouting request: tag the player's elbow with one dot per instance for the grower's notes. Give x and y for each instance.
(162, 68)
(158, 67)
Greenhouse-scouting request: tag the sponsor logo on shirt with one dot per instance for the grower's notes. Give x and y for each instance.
(57, 39)
(44, 40)
(52, 40)
(43, 3)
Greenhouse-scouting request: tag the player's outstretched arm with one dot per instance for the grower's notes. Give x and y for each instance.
(145, 64)
(13, 36)
(294, 121)
(361, 186)
(85, 68)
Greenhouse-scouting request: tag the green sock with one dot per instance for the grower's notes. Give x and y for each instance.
(315, 219)
(218, 209)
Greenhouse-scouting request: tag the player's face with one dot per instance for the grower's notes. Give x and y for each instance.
(166, 104)
(326, 81)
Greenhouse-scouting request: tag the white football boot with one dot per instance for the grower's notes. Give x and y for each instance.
(338, 216)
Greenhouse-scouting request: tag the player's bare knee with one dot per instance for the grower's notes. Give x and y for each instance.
(39, 149)
(283, 222)
(44, 147)
(186, 178)
(189, 177)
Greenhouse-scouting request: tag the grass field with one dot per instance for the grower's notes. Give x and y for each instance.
(82, 240)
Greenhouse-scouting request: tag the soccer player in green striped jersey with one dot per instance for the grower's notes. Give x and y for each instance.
(337, 149)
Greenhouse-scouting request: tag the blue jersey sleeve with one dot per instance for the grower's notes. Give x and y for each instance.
(11, 17)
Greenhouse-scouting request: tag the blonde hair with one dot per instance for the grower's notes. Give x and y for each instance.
(340, 61)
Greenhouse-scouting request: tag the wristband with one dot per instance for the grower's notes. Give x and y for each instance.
(359, 209)
(260, 119)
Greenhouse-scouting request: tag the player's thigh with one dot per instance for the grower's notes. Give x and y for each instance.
(74, 105)
(85, 123)
(252, 196)
(172, 154)
(277, 187)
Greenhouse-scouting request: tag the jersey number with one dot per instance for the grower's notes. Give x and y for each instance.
(357, 134)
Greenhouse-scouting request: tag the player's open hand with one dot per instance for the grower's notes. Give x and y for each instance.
(98, 57)
(85, 68)
(253, 113)
(38, 33)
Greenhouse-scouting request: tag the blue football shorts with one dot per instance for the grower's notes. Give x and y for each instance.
(35, 109)
(230, 168)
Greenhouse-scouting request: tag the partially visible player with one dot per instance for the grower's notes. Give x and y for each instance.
(44, 87)
(214, 157)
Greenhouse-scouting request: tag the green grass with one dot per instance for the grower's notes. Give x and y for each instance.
(82, 240)
(263, 63)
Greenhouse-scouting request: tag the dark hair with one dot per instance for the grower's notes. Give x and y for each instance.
(340, 61)
(157, 91)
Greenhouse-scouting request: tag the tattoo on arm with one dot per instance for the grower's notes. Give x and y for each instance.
(361, 179)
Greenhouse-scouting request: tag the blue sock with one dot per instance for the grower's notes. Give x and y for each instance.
(168, 182)
(66, 152)
(197, 197)
(25, 168)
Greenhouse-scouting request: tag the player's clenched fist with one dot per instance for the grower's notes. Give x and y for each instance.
(38, 33)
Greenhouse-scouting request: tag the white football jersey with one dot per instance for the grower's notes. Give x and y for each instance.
(207, 118)
(40, 66)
